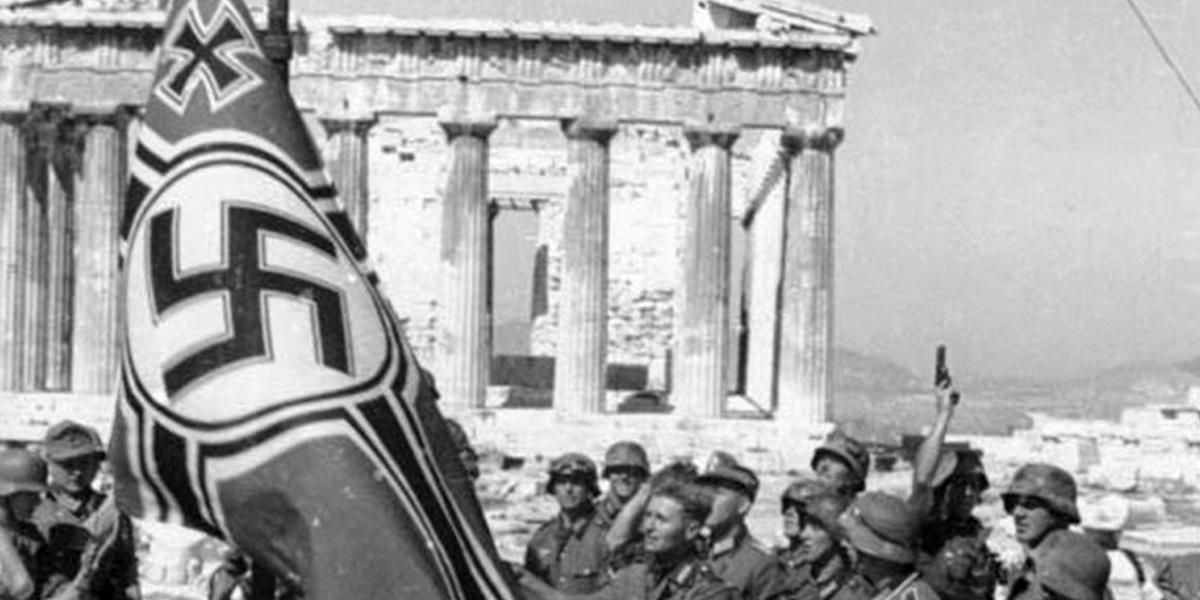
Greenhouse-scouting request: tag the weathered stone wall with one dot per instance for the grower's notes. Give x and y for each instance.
(529, 163)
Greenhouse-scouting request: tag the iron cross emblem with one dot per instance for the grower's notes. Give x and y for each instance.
(209, 55)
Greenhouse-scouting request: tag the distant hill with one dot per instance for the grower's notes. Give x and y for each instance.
(879, 400)
(865, 372)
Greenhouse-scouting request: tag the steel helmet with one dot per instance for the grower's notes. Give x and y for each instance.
(574, 464)
(1050, 483)
(967, 463)
(21, 471)
(626, 454)
(883, 526)
(1072, 565)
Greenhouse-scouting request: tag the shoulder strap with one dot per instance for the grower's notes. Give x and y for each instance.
(1137, 565)
(897, 593)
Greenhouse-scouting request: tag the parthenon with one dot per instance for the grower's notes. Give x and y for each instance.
(761, 106)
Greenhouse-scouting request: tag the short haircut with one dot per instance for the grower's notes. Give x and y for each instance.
(678, 471)
(696, 502)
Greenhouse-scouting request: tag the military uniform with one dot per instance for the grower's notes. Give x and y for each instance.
(571, 556)
(910, 588)
(86, 532)
(692, 580)
(803, 583)
(746, 564)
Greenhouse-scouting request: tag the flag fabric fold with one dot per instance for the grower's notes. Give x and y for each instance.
(268, 396)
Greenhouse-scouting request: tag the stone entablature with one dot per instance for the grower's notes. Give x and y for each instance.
(692, 93)
(520, 70)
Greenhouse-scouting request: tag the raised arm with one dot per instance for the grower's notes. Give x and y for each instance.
(926, 461)
(625, 525)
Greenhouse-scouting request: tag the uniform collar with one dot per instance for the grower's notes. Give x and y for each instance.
(729, 542)
(579, 526)
(76, 506)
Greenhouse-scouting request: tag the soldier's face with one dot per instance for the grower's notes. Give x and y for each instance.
(815, 541)
(625, 481)
(666, 528)
(834, 473)
(1032, 517)
(791, 522)
(961, 497)
(571, 493)
(74, 475)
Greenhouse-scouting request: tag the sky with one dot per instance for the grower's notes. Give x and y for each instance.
(1020, 179)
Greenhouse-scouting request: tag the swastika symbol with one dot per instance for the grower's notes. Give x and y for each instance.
(244, 279)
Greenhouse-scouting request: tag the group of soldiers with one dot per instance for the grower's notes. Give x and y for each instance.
(60, 537)
(680, 533)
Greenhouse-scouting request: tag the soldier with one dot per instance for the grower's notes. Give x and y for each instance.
(947, 485)
(624, 534)
(842, 462)
(27, 567)
(742, 561)
(815, 560)
(882, 530)
(1041, 500)
(86, 533)
(1067, 566)
(674, 569)
(626, 468)
(569, 551)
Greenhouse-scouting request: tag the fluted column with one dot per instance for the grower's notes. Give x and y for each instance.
(347, 162)
(95, 355)
(13, 156)
(464, 327)
(806, 327)
(45, 122)
(702, 324)
(579, 367)
(60, 234)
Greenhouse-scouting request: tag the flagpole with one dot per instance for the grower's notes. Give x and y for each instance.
(277, 43)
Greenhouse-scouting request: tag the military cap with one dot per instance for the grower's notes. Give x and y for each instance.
(21, 471)
(846, 449)
(1050, 483)
(626, 454)
(734, 476)
(67, 439)
(881, 525)
(1072, 565)
(574, 464)
(966, 463)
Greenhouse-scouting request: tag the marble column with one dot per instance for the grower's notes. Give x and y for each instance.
(13, 156)
(95, 354)
(806, 303)
(580, 359)
(347, 160)
(701, 356)
(60, 233)
(464, 325)
(45, 122)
